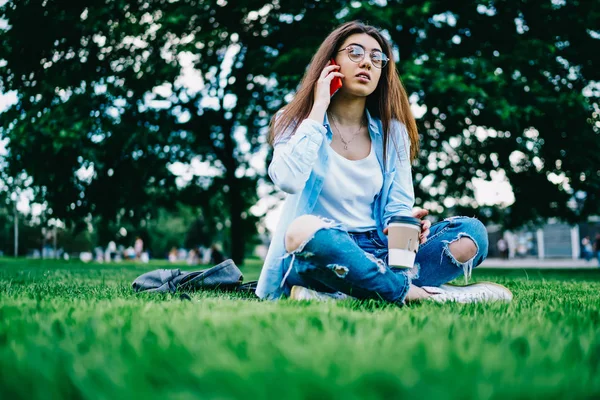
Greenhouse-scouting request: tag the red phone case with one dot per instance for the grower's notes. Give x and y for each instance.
(336, 83)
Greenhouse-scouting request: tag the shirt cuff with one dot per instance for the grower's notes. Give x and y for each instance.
(314, 127)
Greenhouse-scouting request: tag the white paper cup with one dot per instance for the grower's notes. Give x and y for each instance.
(403, 241)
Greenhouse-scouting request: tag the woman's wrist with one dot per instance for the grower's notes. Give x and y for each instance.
(318, 112)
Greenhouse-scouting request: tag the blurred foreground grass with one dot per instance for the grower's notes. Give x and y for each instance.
(74, 330)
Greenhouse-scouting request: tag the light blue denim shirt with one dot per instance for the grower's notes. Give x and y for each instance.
(299, 165)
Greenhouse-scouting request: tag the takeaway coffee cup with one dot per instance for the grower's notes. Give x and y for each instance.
(403, 241)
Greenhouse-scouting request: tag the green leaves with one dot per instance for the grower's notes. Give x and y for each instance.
(87, 80)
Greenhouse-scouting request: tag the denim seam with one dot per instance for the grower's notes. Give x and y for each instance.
(374, 242)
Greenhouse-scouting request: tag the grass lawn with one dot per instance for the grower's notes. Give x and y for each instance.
(71, 330)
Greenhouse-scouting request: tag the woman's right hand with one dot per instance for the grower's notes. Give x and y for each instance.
(322, 94)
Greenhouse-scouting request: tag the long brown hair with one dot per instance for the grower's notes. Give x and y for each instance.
(388, 101)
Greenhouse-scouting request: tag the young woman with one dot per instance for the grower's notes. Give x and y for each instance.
(345, 162)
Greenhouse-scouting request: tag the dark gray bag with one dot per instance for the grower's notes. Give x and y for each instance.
(225, 275)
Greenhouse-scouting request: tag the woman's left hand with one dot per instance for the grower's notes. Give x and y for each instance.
(418, 212)
(425, 224)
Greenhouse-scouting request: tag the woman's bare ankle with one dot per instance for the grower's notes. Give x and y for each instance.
(415, 293)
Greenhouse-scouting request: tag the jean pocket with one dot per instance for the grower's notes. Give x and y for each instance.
(377, 242)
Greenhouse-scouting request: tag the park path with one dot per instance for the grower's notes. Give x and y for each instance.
(537, 263)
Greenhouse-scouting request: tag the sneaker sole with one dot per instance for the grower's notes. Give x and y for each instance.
(296, 293)
(504, 288)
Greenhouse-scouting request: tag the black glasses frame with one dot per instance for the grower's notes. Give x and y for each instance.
(385, 58)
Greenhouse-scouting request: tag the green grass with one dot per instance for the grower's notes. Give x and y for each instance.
(71, 330)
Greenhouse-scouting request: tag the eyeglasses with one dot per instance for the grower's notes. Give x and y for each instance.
(356, 53)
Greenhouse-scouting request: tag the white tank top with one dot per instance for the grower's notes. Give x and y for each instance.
(349, 190)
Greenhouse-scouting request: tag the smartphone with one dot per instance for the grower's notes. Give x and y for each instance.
(336, 83)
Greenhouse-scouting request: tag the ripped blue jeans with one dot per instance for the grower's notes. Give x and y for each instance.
(334, 260)
(434, 262)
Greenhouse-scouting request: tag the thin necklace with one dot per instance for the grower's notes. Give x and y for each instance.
(346, 143)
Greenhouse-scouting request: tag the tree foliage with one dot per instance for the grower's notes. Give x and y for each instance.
(112, 93)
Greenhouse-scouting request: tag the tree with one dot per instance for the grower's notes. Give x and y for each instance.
(104, 107)
(508, 86)
(524, 71)
(81, 109)
(99, 102)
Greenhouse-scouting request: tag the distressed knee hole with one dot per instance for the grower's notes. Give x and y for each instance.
(462, 252)
(340, 270)
(414, 272)
(302, 229)
(463, 249)
(380, 263)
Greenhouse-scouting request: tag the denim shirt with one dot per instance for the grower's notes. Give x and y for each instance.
(299, 166)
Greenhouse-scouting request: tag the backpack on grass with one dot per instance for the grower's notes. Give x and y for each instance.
(224, 276)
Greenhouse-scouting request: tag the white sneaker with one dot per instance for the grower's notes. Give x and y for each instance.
(473, 293)
(302, 293)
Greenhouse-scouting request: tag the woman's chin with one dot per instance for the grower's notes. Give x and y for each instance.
(361, 91)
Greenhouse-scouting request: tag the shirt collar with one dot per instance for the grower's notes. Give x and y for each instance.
(326, 121)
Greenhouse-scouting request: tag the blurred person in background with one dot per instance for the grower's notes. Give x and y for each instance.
(597, 247)
(587, 250)
(173, 255)
(139, 247)
(502, 246)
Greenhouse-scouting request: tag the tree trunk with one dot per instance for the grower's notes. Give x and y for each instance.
(16, 230)
(236, 233)
(54, 242)
(236, 238)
